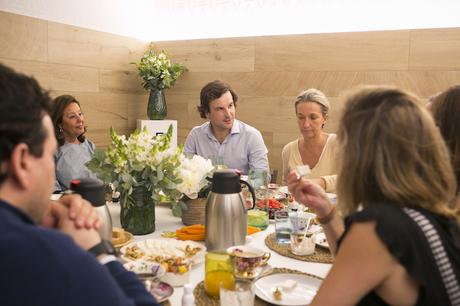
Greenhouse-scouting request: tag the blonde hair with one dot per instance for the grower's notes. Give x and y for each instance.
(392, 152)
(314, 95)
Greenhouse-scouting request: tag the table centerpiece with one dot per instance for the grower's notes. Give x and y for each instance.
(144, 169)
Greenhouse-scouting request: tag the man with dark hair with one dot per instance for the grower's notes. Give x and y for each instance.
(239, 145)
(51, 253)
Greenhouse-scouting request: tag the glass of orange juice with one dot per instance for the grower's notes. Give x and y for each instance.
(218, 273)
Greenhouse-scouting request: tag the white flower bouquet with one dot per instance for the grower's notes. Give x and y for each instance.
(193, 172)
(141, 160)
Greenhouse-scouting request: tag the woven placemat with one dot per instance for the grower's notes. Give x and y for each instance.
(321, 255)
(202, 299)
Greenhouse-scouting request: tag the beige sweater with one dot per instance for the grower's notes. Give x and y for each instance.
(326, 167)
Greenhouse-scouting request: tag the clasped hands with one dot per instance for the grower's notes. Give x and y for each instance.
(76, 217)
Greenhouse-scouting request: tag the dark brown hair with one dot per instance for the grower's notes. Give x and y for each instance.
(59, 104)
(212, 91)
(23, 104)
(446, 112)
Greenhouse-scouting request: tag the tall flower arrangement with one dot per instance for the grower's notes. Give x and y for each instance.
(157, 71)
(145, 170)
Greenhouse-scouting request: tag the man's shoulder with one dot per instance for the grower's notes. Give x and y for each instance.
(246, 128)
(200, 129)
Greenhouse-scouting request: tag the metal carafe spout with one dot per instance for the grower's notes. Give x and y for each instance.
(226, 212)
(93, 191)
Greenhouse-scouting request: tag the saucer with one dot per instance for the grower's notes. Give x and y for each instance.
(258, 273)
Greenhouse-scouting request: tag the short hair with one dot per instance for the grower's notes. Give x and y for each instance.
(446, 110)
(314, 95)
(212, 91)
(23, 104)
(59, 104)
(392, 152)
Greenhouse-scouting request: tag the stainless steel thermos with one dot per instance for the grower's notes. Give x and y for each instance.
(226, 212)
(93, 191)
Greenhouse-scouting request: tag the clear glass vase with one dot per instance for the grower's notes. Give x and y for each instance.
(156, 107)
(137, 214)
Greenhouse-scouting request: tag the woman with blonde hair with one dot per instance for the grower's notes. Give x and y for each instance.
(315, 148)
(400, 242)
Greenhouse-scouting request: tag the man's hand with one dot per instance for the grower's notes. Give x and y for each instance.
(77, 223)
(80, 211)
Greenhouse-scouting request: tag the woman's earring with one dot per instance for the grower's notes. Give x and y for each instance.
(60, 130)
(322, 126)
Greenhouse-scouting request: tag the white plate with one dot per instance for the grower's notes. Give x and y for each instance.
(167, 247)
(302, 294)
(320, 239)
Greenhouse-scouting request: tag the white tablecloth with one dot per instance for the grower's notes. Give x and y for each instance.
(165, 221)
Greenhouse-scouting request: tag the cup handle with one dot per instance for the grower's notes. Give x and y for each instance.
(265, 258)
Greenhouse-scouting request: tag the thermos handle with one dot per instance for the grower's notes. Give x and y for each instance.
(252, 192)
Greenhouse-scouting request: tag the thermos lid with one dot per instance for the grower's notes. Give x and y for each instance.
(226, 181)
(90, 189)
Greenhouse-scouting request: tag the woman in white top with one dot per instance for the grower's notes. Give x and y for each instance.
(315, 148)
(74, 149)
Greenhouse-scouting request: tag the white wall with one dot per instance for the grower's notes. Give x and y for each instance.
(157, 20)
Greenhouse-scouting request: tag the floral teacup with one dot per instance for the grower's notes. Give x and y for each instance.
(248, 261)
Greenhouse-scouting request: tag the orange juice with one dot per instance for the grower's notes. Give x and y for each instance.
(218, 273)
(216, 279)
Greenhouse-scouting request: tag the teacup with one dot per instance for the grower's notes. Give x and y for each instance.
(248, 261)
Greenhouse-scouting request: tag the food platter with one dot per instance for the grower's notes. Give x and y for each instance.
(158, 249)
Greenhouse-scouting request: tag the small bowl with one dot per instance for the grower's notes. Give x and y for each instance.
(145, 269)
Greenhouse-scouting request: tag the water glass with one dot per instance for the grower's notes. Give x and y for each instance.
(258, 178)
(218, 162)
(242, 294)
(283, 227)
(302, 242)
(218, 273)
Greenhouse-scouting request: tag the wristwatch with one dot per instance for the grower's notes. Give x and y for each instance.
(103, 247)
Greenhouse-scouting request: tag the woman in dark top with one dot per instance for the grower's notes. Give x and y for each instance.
(446, 111)
(394, 173)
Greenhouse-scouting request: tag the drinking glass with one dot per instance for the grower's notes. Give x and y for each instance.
(218, 162)
(242, 294)
(283, 227)
(259, 216)
(218, 273)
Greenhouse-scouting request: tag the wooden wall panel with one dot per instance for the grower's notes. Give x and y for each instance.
(435, 49)
(210, 55)
(28, 34)
(72, 45)
(386, 50)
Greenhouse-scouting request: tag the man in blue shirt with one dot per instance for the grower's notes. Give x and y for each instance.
(49, 255)
(239, 145)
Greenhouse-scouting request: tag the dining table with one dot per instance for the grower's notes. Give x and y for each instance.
(165, 221)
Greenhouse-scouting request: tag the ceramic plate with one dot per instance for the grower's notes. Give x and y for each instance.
(302, 294)
(150, 248)
(320, 239)
(161, 291)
